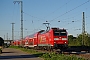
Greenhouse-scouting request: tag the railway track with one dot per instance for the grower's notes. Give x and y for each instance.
(78, 51)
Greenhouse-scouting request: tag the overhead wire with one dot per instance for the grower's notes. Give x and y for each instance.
(75, 16)
(33, 21)
(70, 10)
(77, 20)
(86, 23)
(33, 16)
(48, 14)
(58, 8)
(52, 12)
(72, 17)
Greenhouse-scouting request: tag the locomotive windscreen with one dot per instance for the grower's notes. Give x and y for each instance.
(60, 33)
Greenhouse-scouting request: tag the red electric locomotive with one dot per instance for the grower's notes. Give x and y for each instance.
(53, 38)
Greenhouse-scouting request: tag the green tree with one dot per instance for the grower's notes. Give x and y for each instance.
(71, 40)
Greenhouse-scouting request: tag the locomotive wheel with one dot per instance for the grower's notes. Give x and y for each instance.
(49, 48)
(35, 48)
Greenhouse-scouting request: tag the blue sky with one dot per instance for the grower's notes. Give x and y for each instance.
(36, 12)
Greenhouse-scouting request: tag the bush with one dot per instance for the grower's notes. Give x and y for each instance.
(50, 56)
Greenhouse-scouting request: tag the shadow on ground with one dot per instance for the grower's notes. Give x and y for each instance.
(20, 56)
(7, 52)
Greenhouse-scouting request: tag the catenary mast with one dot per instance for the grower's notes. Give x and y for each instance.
(83, 30)
(21, 16)
(12, 31)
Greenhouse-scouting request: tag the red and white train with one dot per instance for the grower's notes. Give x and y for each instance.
(54, 38)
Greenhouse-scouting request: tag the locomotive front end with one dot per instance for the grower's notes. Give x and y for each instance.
(60, 38)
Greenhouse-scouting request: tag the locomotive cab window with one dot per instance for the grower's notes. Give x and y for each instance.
(60, 33)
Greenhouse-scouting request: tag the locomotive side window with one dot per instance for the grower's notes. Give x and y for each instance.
(60, 33)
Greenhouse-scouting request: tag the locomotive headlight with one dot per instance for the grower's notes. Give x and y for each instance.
(56, 38)
(54, 42)
(64, 38)
(65, 42)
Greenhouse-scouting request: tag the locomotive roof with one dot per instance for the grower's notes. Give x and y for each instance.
(30, 36)
(41, 31)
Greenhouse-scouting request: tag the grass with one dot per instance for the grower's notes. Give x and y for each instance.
(48, 56)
